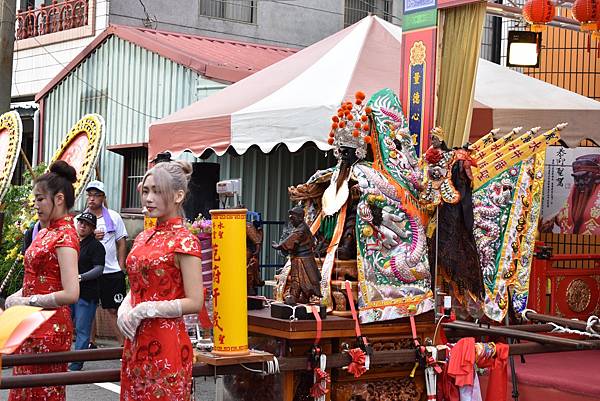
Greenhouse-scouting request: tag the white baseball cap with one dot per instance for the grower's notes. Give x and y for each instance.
(99, 185)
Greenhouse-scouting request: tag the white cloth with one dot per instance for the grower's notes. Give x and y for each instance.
(471, 393)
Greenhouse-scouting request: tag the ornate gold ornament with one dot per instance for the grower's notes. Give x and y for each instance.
(92, 127)
(579, 295)
(11, 130)
(418, 53)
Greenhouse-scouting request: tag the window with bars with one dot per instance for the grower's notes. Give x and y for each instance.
(135, 165)
(355, 10)
(234, 10)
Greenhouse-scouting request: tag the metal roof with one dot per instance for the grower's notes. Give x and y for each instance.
(218, 59)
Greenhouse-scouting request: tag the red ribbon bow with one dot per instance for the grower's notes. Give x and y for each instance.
(357, 366)
(318, 389)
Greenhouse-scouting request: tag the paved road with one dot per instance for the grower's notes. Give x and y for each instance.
(204, 387)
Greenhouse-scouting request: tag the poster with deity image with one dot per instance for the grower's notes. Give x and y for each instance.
(571, 200)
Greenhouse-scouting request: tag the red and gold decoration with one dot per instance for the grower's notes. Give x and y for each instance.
(538, 13)
(587, 12)
(81, 148)
(350, 126)
(357, 365)
(230, 312)
(10, 145)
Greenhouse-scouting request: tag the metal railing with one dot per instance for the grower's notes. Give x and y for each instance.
(52, 18)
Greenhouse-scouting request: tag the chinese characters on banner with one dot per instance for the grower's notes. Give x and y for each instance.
(416, 92)
(230, 320)
(571, 200)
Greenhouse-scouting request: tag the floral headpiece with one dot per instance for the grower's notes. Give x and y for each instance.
(350, 127)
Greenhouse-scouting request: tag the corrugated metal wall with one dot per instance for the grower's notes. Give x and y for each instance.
(130, 87)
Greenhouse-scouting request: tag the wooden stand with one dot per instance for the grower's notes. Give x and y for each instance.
(295, 338)
(211, 359)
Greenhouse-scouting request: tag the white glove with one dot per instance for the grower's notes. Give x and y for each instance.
(123, 321)
(46, 301)
(150, 310)
(16, 299)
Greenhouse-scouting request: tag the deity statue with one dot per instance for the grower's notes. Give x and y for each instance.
(303, 282)
(254, 239)
(438, 160)
(367, 211)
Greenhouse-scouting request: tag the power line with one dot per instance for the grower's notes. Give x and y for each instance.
(213, 31)
(305, 7)
(92, 86)
(281, 2)
(383, 12)
(209, 30)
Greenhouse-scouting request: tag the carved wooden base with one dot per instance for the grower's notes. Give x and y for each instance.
(383, 389)
(345, 270)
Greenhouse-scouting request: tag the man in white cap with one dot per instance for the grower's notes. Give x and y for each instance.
(111, 232)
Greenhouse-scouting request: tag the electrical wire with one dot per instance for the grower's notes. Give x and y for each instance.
(212, 31)
(92, 86)
(384, 13)
(195, 27)
(437, 328)
(364, 2)
(291, 4)
(272, 367)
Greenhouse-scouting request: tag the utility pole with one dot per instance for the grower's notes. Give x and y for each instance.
(7, 42)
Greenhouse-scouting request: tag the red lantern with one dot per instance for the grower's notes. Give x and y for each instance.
(538, 13)
(588, 13)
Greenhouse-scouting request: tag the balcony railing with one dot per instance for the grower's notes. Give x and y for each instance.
(55, 17)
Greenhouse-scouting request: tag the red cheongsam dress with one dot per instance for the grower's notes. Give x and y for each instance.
(157, 364)
(42, 276)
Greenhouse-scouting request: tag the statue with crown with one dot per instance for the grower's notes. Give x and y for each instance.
(378, 212)
(366, 215)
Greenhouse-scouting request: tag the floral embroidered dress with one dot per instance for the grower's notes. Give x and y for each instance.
(157, 364)
(42, 276)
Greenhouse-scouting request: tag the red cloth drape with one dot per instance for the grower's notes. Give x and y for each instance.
(498, 375)
(462, 362)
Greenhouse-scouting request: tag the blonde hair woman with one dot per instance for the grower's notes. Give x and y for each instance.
(165, 276)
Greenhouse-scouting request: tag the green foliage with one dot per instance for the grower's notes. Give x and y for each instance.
(19, 215)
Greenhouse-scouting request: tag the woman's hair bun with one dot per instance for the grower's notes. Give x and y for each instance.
(186, 167)
(64, 169)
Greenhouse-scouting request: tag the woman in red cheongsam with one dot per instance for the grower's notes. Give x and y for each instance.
(50, 278)
(165, 275)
